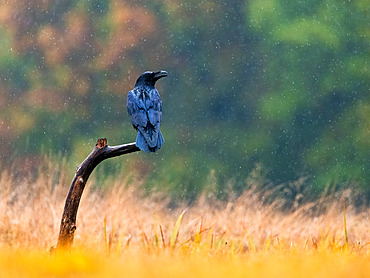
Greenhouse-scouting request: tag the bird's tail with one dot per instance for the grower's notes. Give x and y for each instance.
(142, 144)
(160, 140)
(151, 135)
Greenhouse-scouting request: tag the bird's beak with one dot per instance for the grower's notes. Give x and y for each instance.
(160, 74)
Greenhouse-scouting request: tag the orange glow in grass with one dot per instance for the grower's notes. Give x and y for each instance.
(122, 233)
(165, 263)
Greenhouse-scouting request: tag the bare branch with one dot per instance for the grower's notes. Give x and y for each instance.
(100, 152)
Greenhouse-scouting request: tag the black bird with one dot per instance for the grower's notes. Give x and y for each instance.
(144, 105)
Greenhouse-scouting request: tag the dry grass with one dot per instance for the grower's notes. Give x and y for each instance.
(122, 231)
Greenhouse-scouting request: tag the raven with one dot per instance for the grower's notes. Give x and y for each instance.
(144, 105)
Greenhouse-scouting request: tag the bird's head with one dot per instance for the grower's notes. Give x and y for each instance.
(150, 77)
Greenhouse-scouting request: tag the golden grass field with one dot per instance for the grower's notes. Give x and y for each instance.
(122, 232)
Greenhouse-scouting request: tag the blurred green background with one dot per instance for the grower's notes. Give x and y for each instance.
(273, 87)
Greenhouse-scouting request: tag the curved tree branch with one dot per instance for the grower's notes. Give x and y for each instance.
(100, 152)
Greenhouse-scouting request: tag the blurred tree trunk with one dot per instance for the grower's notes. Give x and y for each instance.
(100, 152)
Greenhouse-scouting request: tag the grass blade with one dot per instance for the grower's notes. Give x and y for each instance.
(105, 235)
(163, 237)
(175, 233)
(345, 224)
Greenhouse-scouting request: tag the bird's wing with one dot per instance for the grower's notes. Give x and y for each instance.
(146, 113)
(136, 109)
(154, 107)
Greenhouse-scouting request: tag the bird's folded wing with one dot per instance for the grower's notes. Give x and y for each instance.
(154, 107)
(136, 109)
